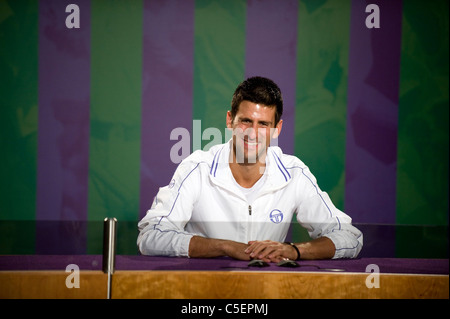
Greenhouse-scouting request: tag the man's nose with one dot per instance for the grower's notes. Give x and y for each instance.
(251, 132)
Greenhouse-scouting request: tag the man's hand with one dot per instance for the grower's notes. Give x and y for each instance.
(270, 251)
(267, 250)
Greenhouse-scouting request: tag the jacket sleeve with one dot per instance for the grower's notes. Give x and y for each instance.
(321, 218)
(162, 230)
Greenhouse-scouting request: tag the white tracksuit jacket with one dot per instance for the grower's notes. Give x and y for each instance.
(203, 199)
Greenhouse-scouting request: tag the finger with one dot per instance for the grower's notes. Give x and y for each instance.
(257, 249)
(269, 250)
(275, 257)
(278, 252)
(261, 249)
(253, 245)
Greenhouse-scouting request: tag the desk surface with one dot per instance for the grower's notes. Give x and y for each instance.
(386, 265)
(131, 262)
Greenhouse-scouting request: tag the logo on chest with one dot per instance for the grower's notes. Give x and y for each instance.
(276, 216)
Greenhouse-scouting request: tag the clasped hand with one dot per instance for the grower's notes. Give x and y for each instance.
(270, 251)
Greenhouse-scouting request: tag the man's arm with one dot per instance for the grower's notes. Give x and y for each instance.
(319, 248)
(201, 247)
(162, 230)
(267, 250)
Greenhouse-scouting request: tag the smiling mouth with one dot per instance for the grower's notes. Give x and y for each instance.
(251, 144)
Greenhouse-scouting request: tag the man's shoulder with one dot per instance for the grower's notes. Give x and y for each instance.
(287, 160)
(202, 157)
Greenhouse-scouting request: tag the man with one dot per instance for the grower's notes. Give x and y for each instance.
(238, 198)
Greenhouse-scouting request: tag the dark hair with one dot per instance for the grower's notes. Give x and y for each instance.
(258, 90)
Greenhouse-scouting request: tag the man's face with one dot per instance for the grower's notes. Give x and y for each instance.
(253, 127)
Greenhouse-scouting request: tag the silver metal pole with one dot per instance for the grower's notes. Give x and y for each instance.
(109, 249)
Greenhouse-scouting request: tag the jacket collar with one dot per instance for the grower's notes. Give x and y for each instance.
(277, 174)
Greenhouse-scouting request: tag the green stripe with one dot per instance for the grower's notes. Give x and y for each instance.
(422, 162)
(422, 165)
(18, 124)
(219, 59)
(19, 109)
(321, 101)
(116, 69)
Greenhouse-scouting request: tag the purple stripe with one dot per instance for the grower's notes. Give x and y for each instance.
(373, 88)
(271, 39)
(63, 135)
(168, 41)
(63, 142)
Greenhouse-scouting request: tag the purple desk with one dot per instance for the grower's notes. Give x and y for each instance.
(386, 265)
(147, 263)
(164, 277)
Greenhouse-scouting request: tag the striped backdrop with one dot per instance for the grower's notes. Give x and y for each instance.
(86, 114)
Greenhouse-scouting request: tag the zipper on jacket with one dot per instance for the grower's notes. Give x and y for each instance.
(249, 224)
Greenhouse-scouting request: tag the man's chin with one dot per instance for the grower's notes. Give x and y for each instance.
(247, 157)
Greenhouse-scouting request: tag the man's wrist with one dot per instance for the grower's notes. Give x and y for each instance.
(297, 251)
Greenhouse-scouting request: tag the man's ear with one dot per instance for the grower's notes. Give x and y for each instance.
(277, 130)
(229, 119)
